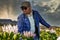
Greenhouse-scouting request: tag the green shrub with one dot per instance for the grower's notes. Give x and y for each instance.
(47, 36)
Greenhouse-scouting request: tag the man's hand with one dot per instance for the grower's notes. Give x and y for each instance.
(28, 34)
(52, 29)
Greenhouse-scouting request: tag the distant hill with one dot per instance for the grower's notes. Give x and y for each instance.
(7, 21)
(44, 27)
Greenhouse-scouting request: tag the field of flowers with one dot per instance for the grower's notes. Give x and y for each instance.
(45, 34)
(12, 36)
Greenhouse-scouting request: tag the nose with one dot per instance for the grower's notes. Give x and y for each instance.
(24, 10)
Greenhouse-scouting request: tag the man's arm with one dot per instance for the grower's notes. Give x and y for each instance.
(42, 21)
(20, 25)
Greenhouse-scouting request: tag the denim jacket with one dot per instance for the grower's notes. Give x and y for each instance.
(24, 23)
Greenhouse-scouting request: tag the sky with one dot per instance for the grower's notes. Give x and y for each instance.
(48, 9)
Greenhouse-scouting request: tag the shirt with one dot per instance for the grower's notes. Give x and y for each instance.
(32, 24)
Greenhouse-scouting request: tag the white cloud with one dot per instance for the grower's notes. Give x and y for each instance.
(53, 4)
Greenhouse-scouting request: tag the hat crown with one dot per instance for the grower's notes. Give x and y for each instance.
(26, 3)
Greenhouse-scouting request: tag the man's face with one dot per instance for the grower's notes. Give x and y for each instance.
(26, 10)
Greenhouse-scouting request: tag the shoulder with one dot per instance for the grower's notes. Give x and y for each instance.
(20, 16)
(35, 12)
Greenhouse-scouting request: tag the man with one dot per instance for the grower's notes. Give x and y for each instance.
(28, 21)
